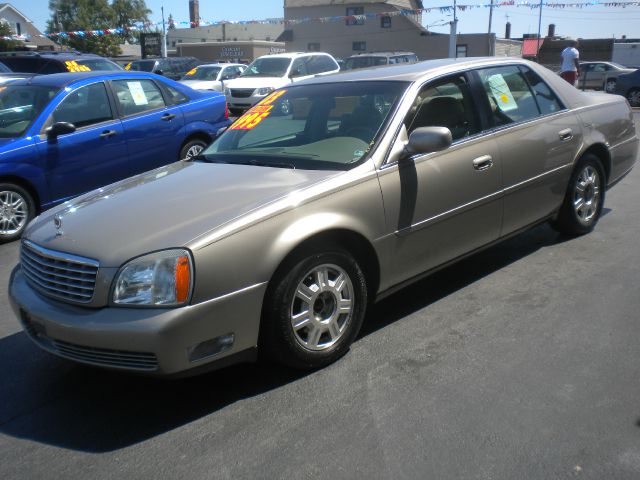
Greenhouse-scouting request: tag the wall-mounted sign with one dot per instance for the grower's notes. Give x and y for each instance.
(232, 52)
(151, 45)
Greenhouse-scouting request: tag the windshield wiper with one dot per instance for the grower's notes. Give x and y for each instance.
(204, 158)
(258, 163)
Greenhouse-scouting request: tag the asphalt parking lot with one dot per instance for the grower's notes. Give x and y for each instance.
(519, 362)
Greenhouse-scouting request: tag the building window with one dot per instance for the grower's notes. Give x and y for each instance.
(461, 51)
(359, 46)
(18, 28)
(351, 11)
(385, 22)
(173, 44)
(313, 47)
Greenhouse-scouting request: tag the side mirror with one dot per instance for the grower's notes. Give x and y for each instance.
(428, 140)
(59, 128)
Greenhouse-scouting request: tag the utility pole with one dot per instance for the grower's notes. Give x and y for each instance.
(164, 35)
(491, 44)
(453, 32)
(539, 27)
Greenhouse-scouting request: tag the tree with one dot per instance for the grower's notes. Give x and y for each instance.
(171, 22)
(87, 15)
(8, 45)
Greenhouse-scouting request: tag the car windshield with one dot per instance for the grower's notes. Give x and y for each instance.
(20, 106)
(317, 127)
(267, 67)
(202, 73)
(99, 64)
(364, 62)
(141, 66)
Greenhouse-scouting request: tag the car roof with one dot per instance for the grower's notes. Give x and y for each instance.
(64, 79)
(292, 54)
(411, 72)
(380, 54)
(50, 55)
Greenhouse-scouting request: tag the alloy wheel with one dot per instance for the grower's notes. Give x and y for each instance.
(13, 212)
(586, 195)
(322, 307)
(194, 150)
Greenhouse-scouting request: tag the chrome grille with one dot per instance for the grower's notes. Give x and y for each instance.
(242, 92)
(58, 274)
(106, 357)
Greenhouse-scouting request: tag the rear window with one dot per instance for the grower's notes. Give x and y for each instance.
(33, 65)
(364, 62)
(99, 64)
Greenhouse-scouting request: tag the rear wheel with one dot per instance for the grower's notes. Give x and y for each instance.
(633, 96)
(192, 148)
(16, 210)
(584, 199)
(314, 310)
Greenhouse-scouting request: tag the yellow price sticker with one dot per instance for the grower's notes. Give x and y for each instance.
(127, 66)
(192, 71)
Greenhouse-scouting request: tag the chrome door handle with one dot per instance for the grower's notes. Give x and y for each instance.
(167, 116)
(566, 134)
(483, 163)
(108, 133)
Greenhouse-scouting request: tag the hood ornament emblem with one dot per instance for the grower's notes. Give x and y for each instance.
(57, 222)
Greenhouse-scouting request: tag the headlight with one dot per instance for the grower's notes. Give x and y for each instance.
(161, 279)
(264, 91)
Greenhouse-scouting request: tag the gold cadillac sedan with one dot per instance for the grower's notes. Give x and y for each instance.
(324, 197)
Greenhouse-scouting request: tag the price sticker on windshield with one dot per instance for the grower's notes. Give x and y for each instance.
(257, 113)
(127, 66)
(192, 71)
(74, 66)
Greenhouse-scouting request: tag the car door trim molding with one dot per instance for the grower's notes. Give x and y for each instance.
(516, 186)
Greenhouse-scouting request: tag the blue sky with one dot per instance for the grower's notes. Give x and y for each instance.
(588, 22)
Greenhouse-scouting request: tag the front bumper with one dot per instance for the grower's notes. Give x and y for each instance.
(243, 103)
(147, 340)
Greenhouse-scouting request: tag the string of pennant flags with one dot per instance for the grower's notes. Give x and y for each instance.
(354, 18)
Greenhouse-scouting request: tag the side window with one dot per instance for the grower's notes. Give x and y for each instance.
(510, 98)
(85, 106)
(175, 97)
(137, 96)
(320, 64)
(547, 101)
(299, 67)
(445, 104)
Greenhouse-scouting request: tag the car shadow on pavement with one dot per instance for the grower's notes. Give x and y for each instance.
(51, 401)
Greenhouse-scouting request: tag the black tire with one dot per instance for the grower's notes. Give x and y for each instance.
(583, 201)
(633, 96)
(192, 147)
(17, 208)
(283, 343)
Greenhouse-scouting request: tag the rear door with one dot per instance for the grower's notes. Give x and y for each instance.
(92, 156)
(152, 123)
(537, 137)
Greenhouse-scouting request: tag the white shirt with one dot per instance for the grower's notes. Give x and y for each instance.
(568, 55)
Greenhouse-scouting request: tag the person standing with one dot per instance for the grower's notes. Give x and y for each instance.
(570, 70)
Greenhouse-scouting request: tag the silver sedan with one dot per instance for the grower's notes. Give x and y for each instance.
(280, 235)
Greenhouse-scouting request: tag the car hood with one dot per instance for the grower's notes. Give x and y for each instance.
(164, 208)
(257, 82)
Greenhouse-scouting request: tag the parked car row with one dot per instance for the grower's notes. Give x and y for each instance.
(65, 134)
(330, 193)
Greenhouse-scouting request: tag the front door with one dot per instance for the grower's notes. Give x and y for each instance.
(92, 156)
(444, 204)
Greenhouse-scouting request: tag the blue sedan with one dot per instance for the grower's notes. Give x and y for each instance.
(65, 134)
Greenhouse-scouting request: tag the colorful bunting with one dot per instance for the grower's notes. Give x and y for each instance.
(353, 18)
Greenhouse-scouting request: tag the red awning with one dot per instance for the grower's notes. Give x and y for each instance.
(530, 46)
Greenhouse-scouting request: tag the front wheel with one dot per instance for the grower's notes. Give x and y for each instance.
(16, 210)
(192, 148)
(610, 85)
(314, 310)
(584, 199)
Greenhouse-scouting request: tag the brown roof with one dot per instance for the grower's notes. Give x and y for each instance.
(406, 4)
